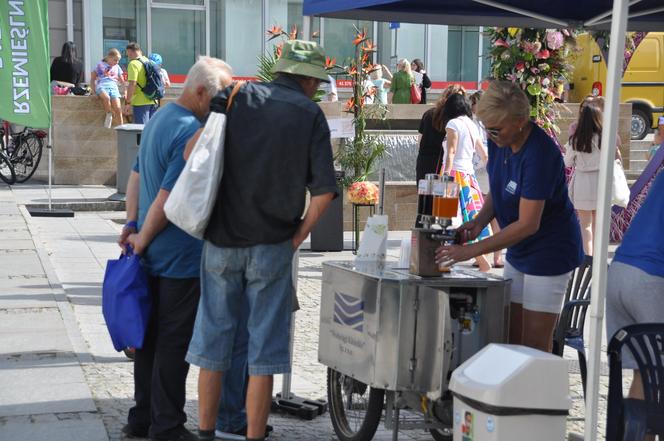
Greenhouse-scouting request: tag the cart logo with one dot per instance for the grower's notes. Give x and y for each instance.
(349, 311)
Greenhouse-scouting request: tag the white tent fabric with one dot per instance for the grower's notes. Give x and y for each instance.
(515, 15)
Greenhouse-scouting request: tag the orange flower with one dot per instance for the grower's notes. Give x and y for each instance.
(360, 37)
(350, 104)
(369, 47)
(278, 50)
(315, 34)
(274, 32)
(293, 33)
(369, 68)
(352, 71)
(330, 62)
(371, 91)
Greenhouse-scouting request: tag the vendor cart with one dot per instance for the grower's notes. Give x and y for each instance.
(391, 338)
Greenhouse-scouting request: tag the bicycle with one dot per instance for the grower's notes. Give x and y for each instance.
(7, 173)
(24, 151)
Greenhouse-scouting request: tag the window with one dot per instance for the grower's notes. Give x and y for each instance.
(181, 41)
(123, 21)
(405, 42)
(463, 53)
(285, 13)
(338, 37)
(236, 33)
(437, 68)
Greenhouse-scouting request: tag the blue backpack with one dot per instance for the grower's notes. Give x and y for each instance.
(154, 86)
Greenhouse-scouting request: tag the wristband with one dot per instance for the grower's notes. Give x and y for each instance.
(131, 224)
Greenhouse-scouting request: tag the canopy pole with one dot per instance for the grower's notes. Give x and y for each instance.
(600, 18)
(600, 251)
(50, 164)
(524, 12)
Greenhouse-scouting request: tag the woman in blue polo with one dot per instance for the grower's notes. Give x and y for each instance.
(529, 200)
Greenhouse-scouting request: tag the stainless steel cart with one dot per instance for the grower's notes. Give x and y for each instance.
(392, 338)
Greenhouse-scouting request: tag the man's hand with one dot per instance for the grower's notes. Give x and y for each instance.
(137, 243)
(127, 110)
(122, 240)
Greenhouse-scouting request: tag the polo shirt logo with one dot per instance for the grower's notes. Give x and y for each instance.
(511, 187)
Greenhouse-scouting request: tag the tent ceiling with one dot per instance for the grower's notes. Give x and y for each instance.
(645, 15)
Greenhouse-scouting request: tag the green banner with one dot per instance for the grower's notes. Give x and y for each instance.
(25, 95)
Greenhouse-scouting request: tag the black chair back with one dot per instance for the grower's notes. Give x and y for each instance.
(577, 299)
(629, 417)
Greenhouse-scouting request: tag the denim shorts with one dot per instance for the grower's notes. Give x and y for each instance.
(261, 275)
(110, 88)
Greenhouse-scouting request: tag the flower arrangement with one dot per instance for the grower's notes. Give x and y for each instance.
(536, 59)
(357, 156)
(363, 193)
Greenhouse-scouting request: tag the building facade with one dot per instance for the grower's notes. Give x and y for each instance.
(235, 30)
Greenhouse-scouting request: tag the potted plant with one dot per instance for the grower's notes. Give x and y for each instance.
(357, 156)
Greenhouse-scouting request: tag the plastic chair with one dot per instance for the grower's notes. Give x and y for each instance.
(630, 419)
(569, 330)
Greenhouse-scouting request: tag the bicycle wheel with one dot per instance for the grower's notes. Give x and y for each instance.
(26, 156)
(6, 169)
(355, 408)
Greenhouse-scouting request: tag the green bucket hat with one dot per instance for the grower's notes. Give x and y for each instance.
(304, 58)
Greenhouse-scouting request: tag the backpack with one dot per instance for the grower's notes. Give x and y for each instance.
(154, 86)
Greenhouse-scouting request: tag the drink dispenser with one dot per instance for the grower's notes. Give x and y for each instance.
(439, 205)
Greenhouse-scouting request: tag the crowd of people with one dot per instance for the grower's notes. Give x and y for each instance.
(111, 84)
(224, 304)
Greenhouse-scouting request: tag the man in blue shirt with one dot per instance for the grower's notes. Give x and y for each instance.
(170, 256)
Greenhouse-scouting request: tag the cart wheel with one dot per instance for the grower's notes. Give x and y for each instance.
(441, 434)
(355, 408)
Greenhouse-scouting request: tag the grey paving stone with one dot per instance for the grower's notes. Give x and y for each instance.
(58, 430)
(26, 293)
(32, 330)
(37, 384)
(20, 263)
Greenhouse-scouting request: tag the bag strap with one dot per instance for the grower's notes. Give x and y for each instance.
(234, 92)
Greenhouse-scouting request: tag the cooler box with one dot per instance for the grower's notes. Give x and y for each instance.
(511, 393)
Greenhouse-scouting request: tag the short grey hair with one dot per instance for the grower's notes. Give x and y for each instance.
(503, 100)
(212, 73)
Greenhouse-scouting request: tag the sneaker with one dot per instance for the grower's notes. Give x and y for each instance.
(239, 435)
(178, 434)
(108, 121)
(132, 432)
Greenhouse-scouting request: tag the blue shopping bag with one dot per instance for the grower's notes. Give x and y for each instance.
(126, 301)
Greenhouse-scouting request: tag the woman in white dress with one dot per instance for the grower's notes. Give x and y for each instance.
(582, 153)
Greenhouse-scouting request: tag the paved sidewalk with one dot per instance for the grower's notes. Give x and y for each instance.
(77, 249)
(44, 394)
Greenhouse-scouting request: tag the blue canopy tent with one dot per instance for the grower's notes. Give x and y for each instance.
(645, 15)
(615, 15)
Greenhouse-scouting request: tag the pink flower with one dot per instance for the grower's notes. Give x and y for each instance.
(534, 70)
(501, 42)
(554, 40)
(543, 54)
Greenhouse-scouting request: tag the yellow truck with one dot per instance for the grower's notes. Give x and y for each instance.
(643, 82)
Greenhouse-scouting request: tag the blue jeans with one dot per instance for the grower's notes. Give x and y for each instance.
(232, 415)
(261, 276)
(142, 114)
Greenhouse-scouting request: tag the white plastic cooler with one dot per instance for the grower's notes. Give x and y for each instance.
(511, 393)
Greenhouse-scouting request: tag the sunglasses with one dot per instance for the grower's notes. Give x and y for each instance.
(493, 132)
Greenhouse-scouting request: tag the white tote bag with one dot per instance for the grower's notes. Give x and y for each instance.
(620, 195)
(190, 203)
(373, 244)
(191, 200)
